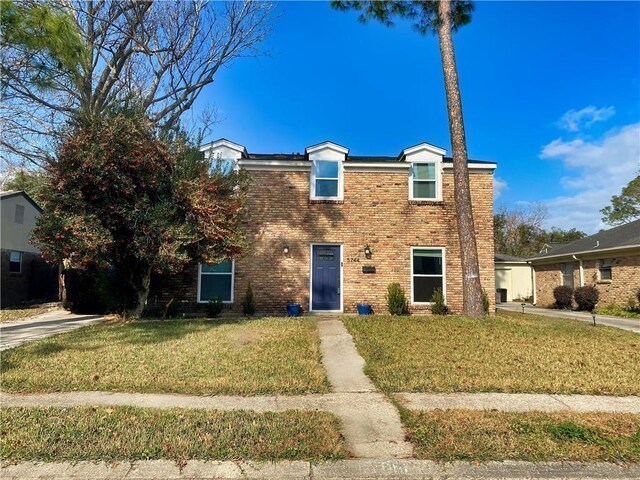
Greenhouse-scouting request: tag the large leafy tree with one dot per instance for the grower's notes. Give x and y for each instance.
(157, 54)
(625, 207)
(442, 18)
(118, 196)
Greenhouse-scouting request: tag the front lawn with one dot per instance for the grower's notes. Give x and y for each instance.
(245, 357)
(511, 352)
(447, 435)
(129, 433)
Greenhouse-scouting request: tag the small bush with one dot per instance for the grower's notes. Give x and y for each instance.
(631, 305)
(249, 304)
(563, 296)
(586, 297)
(214, 307)
(438, 306)
(638, 297)
(485, 302)
(396, 300)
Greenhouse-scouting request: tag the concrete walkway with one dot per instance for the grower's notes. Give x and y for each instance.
(50, 323)
(371, 424)
(632, 324)
(340, 470)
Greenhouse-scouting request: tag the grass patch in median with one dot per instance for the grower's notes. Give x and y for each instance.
(447, 435)
(130, 433)
(511, 352)
(245, 357)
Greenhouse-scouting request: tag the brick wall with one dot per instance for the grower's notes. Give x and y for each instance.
(625, 281)
(375, 212)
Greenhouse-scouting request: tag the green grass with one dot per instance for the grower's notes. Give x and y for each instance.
(618, 311)
(245, 357)
(129, 433)
(511, 352)
(447, 435)
(13, 314)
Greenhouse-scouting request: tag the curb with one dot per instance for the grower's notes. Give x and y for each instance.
(344, 469)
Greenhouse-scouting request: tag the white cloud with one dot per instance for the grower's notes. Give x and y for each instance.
(498, 186)
(597, 170)
(575, 120)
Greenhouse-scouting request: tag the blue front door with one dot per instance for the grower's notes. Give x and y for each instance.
(325, 281)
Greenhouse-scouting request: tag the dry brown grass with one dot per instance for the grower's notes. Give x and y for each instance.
(242, 357)
(447, 435)
(511, 352)
(13, 314)
(128, 433)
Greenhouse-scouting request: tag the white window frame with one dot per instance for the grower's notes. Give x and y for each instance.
(438, 181)
(19, 262)
(444, 272)
(312, 189)
(233, 281)
(602, 263)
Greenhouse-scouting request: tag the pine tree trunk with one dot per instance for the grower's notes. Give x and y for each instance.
(472, 290)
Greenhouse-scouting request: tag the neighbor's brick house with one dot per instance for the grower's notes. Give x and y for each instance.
(608, 260)
(329, 230)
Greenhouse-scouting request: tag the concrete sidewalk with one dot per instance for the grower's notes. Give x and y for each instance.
(357, 402)
(632, 324)
(340, 470)
(50, 323)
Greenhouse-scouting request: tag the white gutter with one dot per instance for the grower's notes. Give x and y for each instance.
(581, 270)
(584, 252)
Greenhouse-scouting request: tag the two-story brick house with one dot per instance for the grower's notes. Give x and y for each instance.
(329, 230)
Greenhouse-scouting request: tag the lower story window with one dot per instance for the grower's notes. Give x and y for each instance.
(604, 269)
(216, 280)
(427, 272)
(15, 262)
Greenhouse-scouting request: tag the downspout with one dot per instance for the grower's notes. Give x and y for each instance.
(533, 284)
(581, 270)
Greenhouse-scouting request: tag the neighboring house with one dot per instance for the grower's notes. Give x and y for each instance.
(514, 278)
(24, 275)
(329, 230)
(609, 260)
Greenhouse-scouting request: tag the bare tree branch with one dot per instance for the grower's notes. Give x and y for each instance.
(158, 54)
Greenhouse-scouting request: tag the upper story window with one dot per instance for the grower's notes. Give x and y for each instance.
(326, 180)
(19, 216)
(424, 182)
(604, 270)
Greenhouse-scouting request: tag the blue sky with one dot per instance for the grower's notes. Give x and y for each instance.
(550, 90)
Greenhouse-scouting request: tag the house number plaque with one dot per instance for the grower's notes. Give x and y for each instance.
(353, 259)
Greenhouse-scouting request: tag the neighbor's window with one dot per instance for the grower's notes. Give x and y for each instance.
(423, 181)
(567, 274)
(604, 269)
(15, 262)
(325, 179)
(216, 281)
(427, 273)
(19, 217)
